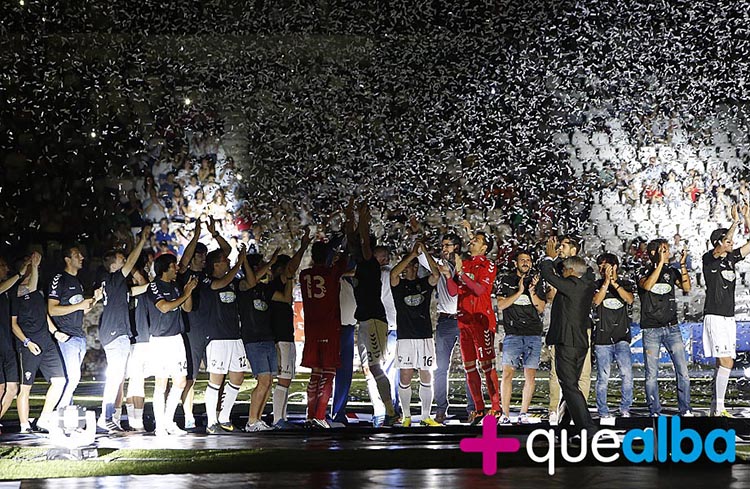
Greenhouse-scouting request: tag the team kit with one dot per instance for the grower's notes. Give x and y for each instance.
(238, 319)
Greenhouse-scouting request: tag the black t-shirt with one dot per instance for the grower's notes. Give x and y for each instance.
(282, 315)
(224, 321)
(139, 326)
(613, 316)
(196, 320)
(367, 290)
(31, 311)
(720, 282)
(6, 334)
(164, 324)
(255, 313)
(115, 319)
(658, 305)
(412, 300)
(521, 318)
(67, 289)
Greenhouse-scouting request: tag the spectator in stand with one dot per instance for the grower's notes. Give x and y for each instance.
(218, 206)
(197, 206)
(154, 209)
(161, 169)
(206, 169)
(192, 188)
(652, 193)
(166, 188)
(164, 235)
(177, 211)
(185, 172)
(210, 187)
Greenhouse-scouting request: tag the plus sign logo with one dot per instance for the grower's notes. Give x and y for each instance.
(489, 445)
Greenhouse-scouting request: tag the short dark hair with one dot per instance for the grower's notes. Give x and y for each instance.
(254, 259)
(652, 248)
(201, 249)
(162, 263)
(487, 241)
(453, 238)
(281, 262)
(212, 259)
(67, 251)
(319, 252)
(109, 258)
(522, 252)
(574, 242)
(717, 236)
(608, 258)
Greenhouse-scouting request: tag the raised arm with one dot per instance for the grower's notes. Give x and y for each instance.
(624, 294)
(434, 270)
(136, 253)
(539, 302)
(10, 282)
(225, 247)
(648, 282)
(364, 231)
(401, 266)
(190, 248)
(166, 306)
(547, 269)
(293, 265)
(745, 249)
(220, 283)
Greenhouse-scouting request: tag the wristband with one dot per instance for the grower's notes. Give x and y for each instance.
(26, 342)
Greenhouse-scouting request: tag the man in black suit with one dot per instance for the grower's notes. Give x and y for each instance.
(568, 330)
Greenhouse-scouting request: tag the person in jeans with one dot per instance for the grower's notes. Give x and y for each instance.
(612, 301)
(521, 298)
(446, 329)
(656, 289)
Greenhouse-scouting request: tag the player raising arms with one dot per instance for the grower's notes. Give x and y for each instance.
(225, 352)
(415, 348)
(322, 353)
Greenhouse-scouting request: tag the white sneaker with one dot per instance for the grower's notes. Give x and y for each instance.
(553, 418)
(136, 424)
(259, 425)
(175, 430)
(688, 414)
(189, 423)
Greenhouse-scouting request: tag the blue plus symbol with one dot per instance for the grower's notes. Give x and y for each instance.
(489, 445)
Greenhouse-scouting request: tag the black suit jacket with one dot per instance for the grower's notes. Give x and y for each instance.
(570, 315)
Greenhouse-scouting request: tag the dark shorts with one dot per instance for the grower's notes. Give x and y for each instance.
(263, 357)
(8, 367)
(195, 347)
(49, 362)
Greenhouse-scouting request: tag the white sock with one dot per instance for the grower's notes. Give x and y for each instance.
(230, 396)
(212, 403)
(378, 408)
(130, 409)
(280, 395)
(404, 397)
(173, 400)
(722, 380)
(118, 414)
(25, 426)
(384, 389)
(425, 396)
(139, 415)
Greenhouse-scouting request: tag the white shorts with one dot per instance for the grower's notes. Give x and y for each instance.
(139, 363)
(416, 353)
(719, 337)
(168, 357)
(372, 340)
(287, 354)
(224, 356)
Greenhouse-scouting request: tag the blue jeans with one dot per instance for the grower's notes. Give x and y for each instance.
(671, 338)
(343, 381)
(619, 352)
(72, 352)
(446, 336)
